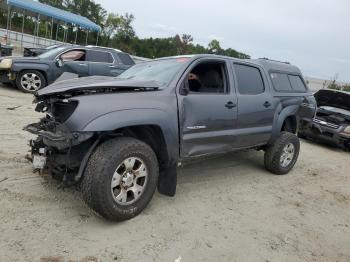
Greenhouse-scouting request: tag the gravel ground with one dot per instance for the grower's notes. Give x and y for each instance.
(226, 209)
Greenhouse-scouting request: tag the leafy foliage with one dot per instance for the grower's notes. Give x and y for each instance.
(117, 32)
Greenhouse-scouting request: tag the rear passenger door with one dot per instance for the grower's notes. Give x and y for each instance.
(100, 62)
(256, 105)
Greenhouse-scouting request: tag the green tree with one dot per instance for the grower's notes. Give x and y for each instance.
(118, 32)
(215, 48)
(125, 33)
(111, 27)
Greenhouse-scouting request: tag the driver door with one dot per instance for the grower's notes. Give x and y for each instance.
(74, 61)
(208, 117)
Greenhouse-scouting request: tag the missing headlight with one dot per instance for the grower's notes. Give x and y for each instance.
(62, 110)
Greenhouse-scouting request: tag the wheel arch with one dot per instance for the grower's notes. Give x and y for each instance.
(152, 135)
(290, 124)
(40, 70)
(138, 122)
(286, 120)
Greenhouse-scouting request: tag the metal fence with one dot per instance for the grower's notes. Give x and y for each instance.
(15, 38)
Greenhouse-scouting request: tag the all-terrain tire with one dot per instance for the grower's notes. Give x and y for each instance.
(273, 153)
(96, 183)
(32, 87)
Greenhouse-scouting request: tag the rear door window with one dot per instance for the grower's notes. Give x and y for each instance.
(125, 59)
(281, 82)
(297, 83)
(249, 80)
(99, 56)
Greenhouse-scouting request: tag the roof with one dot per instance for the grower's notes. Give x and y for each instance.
(267, 64)
(55, 13)
(103, 47)
(273, 65)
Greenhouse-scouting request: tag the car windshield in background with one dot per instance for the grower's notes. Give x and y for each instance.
(52, 52)
(162, 71)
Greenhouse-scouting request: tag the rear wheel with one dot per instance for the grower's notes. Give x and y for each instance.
(281, 156)
(120, 178)
(30, 81)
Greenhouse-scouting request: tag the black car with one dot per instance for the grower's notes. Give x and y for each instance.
(35, 51)
(30, 74)
(122, 137)
(331, 124)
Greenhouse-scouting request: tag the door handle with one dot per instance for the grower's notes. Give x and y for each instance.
(82, 64)
(267, 104)
(111, 66)
(230, 105)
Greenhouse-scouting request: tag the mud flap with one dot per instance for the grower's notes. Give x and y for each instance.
(167, 180)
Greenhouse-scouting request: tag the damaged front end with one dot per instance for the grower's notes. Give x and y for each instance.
(331, 122)
(57, 149)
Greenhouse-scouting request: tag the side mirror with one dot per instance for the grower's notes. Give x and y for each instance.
(59, 62)
(184, 89)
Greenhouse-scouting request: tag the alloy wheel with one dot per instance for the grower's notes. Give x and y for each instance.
(287, 155)
(30, 82)
(129, 181)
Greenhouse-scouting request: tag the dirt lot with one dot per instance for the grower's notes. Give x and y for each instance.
(226, 209)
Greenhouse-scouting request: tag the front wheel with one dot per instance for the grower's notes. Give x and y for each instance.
(30, 81)
(120, 178)
(281, 156)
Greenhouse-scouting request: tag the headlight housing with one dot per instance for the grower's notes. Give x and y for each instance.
(6, 63)
(347, 130)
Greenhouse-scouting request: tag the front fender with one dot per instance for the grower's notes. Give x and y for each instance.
(19, 66)
(45, 68)
(136, 117)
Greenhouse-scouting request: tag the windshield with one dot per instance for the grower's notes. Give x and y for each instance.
(52, 52)
(161, 71)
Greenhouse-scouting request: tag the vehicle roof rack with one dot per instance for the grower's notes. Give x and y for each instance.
(284, 62)
(103, 47)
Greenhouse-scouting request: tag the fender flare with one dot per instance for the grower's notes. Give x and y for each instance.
(44, 68)
(280, 117)
(135, 117)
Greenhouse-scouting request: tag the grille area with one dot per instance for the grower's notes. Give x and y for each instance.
(324, 123)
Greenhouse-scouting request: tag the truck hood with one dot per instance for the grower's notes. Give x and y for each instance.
(96, 84)
(333, 98)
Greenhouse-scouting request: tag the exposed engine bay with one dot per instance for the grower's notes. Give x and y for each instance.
(331, 122)
(333, 115)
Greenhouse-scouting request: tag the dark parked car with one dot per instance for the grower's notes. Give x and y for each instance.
(35, 51)
(5, 50)
(30, 74)
(122, 137)
(331, 124)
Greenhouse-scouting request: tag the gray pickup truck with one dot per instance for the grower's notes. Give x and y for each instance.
(123, 137)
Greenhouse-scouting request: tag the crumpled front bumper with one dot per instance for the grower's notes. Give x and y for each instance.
(325, 134)
(62, 149)
(7, 76)
(59, 139)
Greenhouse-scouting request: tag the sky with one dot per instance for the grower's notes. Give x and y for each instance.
(312, 34)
